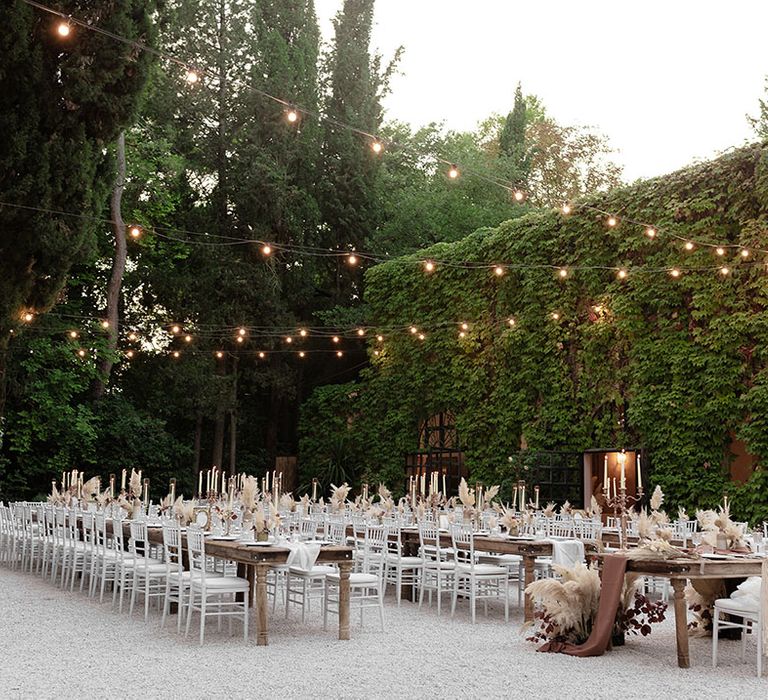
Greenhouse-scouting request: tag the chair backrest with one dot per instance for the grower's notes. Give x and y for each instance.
(463, 539)
(375, 549)
(308, 528)
(336, 532)
(556, 527)
(429, 540)
(172, 546)
(118, 537)
(196, 552)
(139, 539)
(587, 528)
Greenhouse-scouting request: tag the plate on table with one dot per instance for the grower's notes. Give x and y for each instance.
(223, 538)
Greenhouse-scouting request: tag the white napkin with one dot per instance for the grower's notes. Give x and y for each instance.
(303, 555)
(567, 553)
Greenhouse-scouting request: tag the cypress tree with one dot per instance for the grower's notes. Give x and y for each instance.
(63, 101)
(512, 143)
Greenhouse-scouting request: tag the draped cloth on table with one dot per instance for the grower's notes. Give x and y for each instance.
(614, 568)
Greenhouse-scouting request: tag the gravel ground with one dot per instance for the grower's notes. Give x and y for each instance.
(55, 644)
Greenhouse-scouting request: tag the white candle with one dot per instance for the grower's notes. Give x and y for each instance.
(639, 474)
(314, 489)
(606, 483)
(111, 485)
(514, 497)
(536, 489)
(122, 482)
(199, 482)
(445, 491)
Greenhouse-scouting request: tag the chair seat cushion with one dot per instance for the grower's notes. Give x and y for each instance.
(356, 579)
(743, 605)
(222, 583)
(314, 572)
(482, 570)
(434, 564)
(405, 561)
(500, 559)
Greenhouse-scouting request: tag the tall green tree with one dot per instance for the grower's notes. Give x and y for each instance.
(513, 148)
(63, 101)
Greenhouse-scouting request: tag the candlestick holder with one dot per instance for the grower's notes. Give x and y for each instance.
(622, 504)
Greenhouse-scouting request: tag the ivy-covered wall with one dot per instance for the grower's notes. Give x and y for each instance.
(677, 365)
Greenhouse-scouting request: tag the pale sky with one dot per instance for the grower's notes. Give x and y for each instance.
(668, 81)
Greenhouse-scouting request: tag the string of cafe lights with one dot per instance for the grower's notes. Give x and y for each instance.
(294, 114)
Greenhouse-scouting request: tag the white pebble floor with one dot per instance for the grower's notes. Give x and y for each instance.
(56, 644)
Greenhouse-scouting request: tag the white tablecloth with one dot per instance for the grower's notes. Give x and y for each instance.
(303, 554)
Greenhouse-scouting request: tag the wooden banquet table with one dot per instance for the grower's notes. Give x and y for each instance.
(678, 571)
(253, 563)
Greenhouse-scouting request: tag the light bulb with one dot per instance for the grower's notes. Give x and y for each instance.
(380, 338)
(563, 272)
(724, 271)
(289, 339)
(421, 336)
(292, 116)
(302, 354)
(465, 326)
(28, 316)
(339, 353)
(498, 270)
(240, 339)
(511, 321)
(303, 333)
(129, 354)
(650, 232)
(555, 316)
(266, 249)
(611, 221)
(566, 209)
(376, 147)
(429, 266)
(360, 332)
(352, 259)
(335, 339)
(81, 352)
(519, 195)
(188, 338)
(744, 253)
(461, 334)
(413, 330)
(376, 352)
(262, 355)
(176, 353)
(219, 354)
(241, 331)
(720, 251)
(674, 272)
(135, 231)
(105, 324)
(191, 76)
(131, 336)
(73, 334)
(453, 173)
(621, 274)
(175, 330)
(63, 29)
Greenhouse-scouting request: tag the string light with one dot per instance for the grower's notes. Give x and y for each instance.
(376, 352)
(453, 172)
(262, 355)
(302, 353)
(689, 245)
(720, 251)
(360, 332)
(498, 270)
(465, 326)
(27, 316)
(674, 272)
(129, 354)
(176, 354)
(240, 339)
(461, 334)
(555, 316)
(376, 147)
(188, 338)
(621, 274)
(352, 259)
(81, 352)
(335, 339)
(219, 354)
(650, 232)
(563, 272)
(303, 333)
(191, 76)
(611, 221)
(421, 336)
(744, 253)
(73, 334)
(519, 195)
(429, 266)
(131, 336)
(289, 339)
(413, 330)
(724, 271)
(63, 29)
(105, 324)
(380, 338)
(339, 353)
(175, 330)
(292, 115)
(511, 321)
(566, 209)
(266, 249)
(135, 231)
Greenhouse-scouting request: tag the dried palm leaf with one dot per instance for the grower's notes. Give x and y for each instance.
(657, 499)
(466, 494)
(135, 484)
(384, 492)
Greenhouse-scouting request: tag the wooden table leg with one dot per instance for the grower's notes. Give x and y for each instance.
(344, 569)
(261, 602)
(681, 622)
(529, 566)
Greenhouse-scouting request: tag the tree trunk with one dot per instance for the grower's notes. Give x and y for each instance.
(270, 439)
(196, 449)
(118, 269)
(233, 422)
(217, 454)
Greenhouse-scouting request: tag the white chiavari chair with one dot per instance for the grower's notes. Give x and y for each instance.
(149, 574)
(213, 595)
(744, 613)
(473, 580)
(437, 572)
(399, 568)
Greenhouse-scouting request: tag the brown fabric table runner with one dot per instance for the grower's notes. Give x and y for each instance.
(614, 568)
